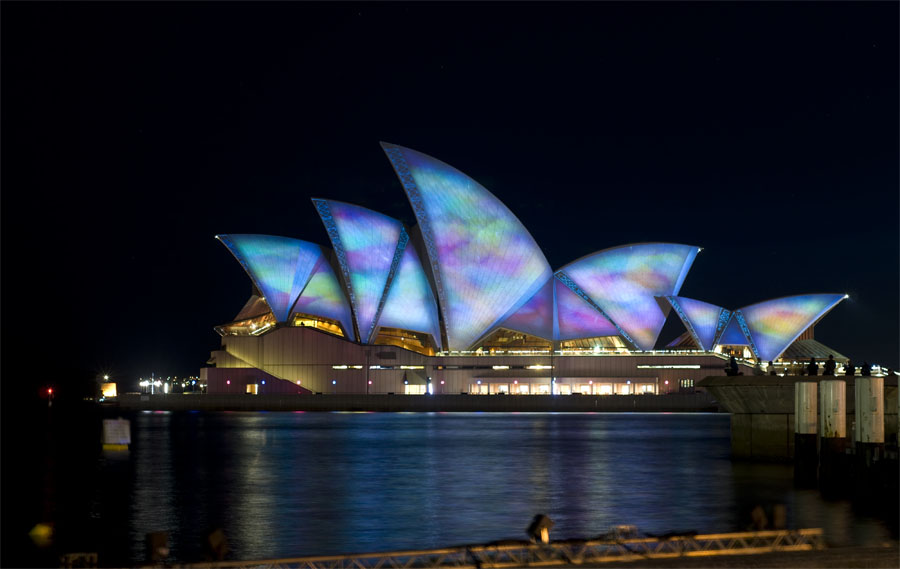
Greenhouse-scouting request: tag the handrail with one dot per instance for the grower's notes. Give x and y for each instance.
(556, 553)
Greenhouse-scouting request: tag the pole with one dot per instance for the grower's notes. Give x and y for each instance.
(870, 469)
(805, 417)
(833, 468)
(552, 370)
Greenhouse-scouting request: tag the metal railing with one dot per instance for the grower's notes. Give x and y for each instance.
(553, 554)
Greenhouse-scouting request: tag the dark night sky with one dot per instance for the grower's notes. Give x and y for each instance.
(766, 133)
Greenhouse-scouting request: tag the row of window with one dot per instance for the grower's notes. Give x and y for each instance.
(499, 367)
(517, 388)
(344, 366)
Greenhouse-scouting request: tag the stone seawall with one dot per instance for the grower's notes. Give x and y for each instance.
(683, 403)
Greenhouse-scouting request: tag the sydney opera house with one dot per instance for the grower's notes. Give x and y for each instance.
(465, 302)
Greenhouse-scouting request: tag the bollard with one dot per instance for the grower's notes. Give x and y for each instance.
(869, 393)
(868, 475)
(539, 529)
(806, 459)
(216, 545)
(833, 463)
(157, 546)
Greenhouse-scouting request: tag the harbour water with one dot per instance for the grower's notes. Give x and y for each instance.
(290, 484)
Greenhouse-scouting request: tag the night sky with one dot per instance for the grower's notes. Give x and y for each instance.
(766, 133)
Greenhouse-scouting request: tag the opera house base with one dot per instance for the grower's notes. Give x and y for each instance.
(762, 412)
(674, 402)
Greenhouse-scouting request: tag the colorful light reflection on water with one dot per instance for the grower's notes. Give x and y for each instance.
(291, 484)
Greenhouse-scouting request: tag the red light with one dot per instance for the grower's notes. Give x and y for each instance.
(49, 391)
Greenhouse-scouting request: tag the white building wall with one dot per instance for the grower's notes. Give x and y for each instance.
(315, 358)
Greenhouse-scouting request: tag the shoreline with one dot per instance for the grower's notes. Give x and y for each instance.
(699, 402)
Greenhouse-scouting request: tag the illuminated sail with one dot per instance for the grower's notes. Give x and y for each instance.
(278, 266)
(535, 317)
(577, 318)
(775, 324)
(700, 318)
(625, 281)
(410, 303)
(368, 247)
(323, 296)
(484, 262)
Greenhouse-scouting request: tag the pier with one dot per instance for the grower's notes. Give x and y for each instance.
(763, 413)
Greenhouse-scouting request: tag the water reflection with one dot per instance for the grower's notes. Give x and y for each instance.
(288, 484)
(154, 489)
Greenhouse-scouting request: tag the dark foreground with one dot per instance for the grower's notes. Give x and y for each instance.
(884, 556)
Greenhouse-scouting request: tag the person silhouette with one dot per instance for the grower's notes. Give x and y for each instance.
(813, 367)
(732, 368)
(865, 370)
(849, 369)
(830, 365)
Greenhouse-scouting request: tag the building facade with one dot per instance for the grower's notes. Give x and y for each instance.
(465, 302)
